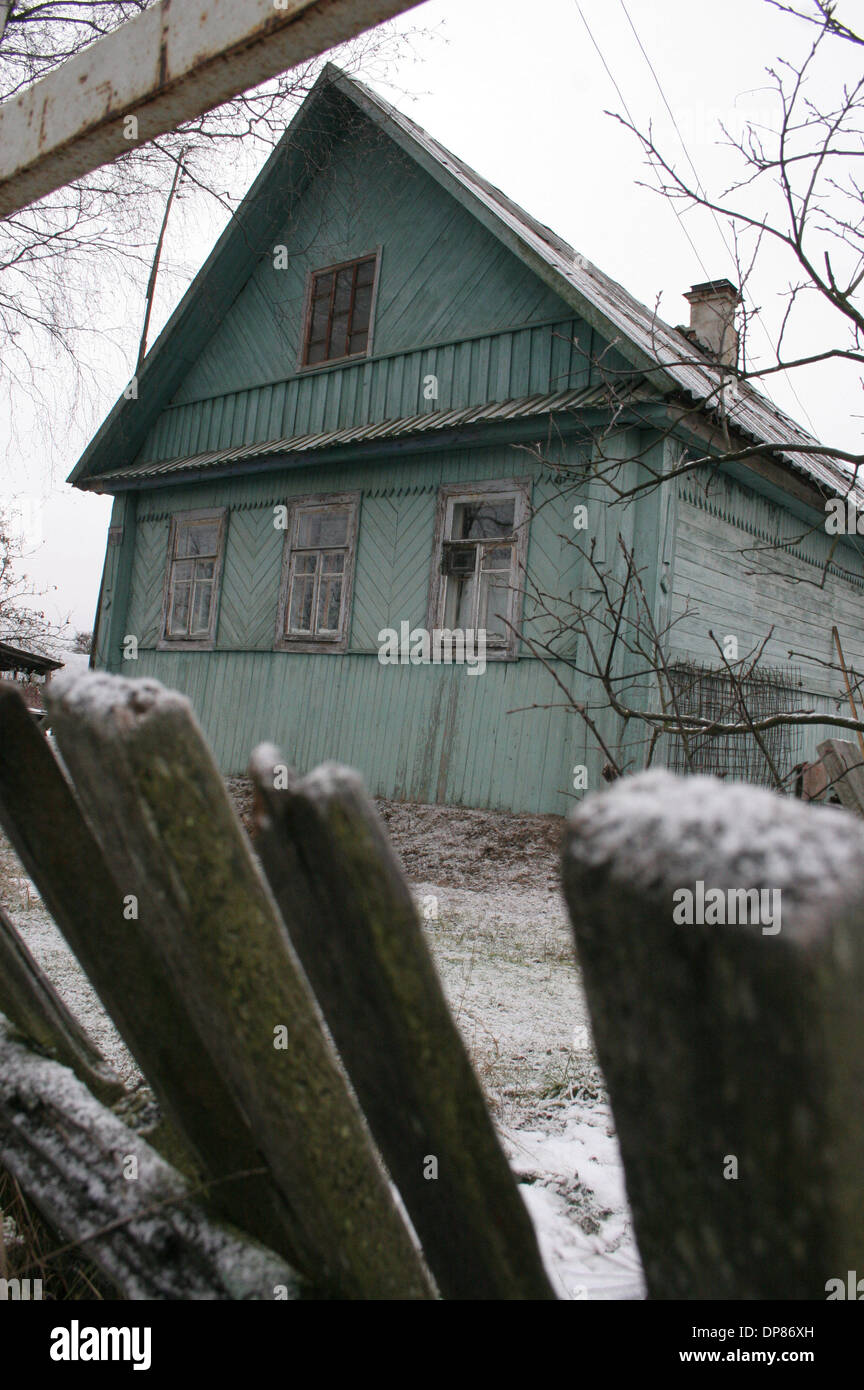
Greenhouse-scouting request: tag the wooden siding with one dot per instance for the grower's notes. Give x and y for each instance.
(449, 736)
(443, 277)
(394, 551)
(493, 367)
(418, 733)
(729, 571)
(452, 302)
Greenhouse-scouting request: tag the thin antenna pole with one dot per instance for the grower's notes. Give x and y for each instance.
(836, 635)
(151, 283)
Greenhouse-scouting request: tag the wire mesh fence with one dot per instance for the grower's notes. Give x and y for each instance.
(719, 694)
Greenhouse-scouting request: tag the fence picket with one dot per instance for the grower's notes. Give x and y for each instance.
(208, 1132)
(148, 782)
(103, 1188)
(31, 1003)
(352, 920)
(733, 1052)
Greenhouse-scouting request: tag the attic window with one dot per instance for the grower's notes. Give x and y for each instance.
(339, 311)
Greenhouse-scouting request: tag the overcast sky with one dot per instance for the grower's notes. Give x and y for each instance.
(521, 93)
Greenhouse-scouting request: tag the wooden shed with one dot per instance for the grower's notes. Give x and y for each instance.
(376, 411)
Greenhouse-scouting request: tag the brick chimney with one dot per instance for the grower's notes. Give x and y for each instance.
(712, 318)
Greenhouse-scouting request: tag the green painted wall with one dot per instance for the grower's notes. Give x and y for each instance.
(425, 733)
(743, 566)
(451, 302)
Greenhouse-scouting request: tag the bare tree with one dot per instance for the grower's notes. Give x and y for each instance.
(65, 261)
(22, 621)
(798, 200)
(798, 196)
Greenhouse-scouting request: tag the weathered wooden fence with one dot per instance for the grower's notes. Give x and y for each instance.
(733, 1049)
(287, 1014)
(290, 1023)
(844, 770)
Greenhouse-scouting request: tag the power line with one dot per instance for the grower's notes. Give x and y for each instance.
(623, 101)
(701, 190)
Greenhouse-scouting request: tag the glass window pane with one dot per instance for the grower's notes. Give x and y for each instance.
(340, 312)
(329, 603)
(196, 538)
(182, 571)
(496, 557)
(319, 318)
(300, 608)
(362, 309)
(203, 539)
(339, 336)
(178, 622)
(344, 285)
(459, 603)
(333, 561)
(494, 608)
(322, 527)
(202, 599)
(483, 519)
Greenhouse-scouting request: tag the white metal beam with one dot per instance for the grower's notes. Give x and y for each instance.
(173, 62)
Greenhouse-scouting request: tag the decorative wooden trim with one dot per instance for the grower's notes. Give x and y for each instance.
(198, 644)
(722, 506)
(521, 489)
(303, 366)
(283, 643)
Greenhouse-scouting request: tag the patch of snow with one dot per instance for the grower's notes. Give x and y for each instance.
(507, 966)
(657, 831)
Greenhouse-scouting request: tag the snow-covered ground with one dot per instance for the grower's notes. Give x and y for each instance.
(505, 957)
(506, 962)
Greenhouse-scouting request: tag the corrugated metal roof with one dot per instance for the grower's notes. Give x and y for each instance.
(750, 412)
(523, 408)
(677, 369)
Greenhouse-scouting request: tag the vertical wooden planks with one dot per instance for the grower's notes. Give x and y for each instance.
(75, 1158)
(731, 1044)
(31, 1003)
(353, 923)
(95, 914)
(142, 769)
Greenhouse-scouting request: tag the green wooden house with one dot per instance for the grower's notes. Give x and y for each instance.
(378, 410)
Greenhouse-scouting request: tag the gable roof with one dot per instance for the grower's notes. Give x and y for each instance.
(666, 358)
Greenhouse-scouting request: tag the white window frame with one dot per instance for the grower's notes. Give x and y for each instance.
(449, 497)
(204, 641)
(325, 641)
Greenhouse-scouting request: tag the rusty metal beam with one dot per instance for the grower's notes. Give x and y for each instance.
(168, 65)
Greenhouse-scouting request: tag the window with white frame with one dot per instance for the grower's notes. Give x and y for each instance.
(481, 543)
(317, 573)
(194, 563)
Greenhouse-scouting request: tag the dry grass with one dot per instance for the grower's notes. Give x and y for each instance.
(29, 1249)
